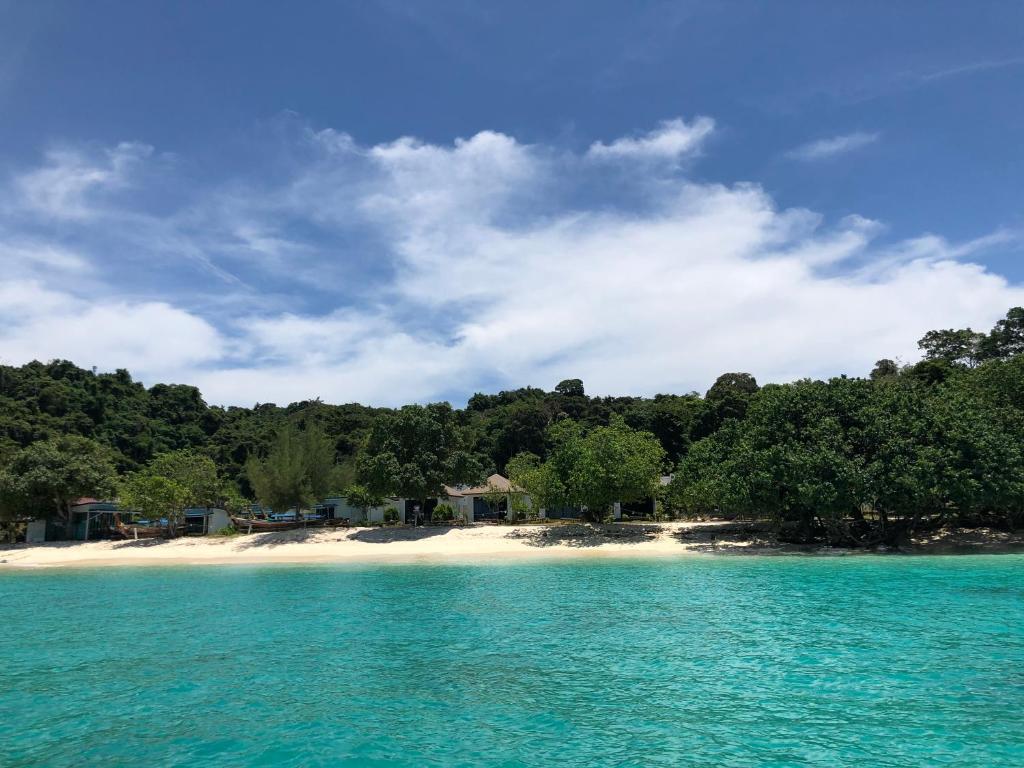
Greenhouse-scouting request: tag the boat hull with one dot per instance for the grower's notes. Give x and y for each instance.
(264, 526)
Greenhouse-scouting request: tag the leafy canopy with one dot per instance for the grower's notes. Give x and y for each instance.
(416, 451)
(153, 496)
(44, 479)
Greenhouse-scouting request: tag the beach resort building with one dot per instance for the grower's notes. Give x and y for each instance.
(471, 503)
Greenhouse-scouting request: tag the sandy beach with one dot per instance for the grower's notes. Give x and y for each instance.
(391, 544)
(482, 543)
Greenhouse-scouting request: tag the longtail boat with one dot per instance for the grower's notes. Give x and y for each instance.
(256, 525)
(133, 531)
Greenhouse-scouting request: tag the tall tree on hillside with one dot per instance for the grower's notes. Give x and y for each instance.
(1007, 338)
(570, 388)
(957, 347)
(516, 428)
(45, 478)
(884, 369)
(297, 470)
(729, 397)
(414, 452)
(675, 420)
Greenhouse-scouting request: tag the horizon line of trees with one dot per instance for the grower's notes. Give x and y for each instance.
(848, 460)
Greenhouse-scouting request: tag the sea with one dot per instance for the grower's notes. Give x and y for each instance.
(696, 661)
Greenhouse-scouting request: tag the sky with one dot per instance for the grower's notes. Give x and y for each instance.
(391, 202)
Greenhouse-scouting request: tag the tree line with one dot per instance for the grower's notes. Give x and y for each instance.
(848, 460)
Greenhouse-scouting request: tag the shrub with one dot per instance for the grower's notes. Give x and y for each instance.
(444, 512)
(390, 516)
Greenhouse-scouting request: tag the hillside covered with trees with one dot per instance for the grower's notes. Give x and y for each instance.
(847, 460)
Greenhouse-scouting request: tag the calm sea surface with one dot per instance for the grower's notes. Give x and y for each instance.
(859, 661)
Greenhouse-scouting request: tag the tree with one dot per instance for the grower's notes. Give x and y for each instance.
(297, 470)
(493, 497)
(570, 388)
(791, 460)
(675, 420)
(155, 497)
(362, 498)
(234, 502)
(414, 452)
(194, 473)
(515, 428)
(730, 395)
(957, 347)
(1006, 339)
(536, 480)
(592, 470)
(45, 478)
(884, 369)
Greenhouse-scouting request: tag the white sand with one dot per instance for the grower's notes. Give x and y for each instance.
(486, 543)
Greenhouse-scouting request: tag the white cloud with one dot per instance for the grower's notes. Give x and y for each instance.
(669, 141)
(152, 339)
(492, 274)
(61, 188)
(837, 145)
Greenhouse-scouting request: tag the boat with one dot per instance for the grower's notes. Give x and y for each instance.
(134, 531)
(257, 525)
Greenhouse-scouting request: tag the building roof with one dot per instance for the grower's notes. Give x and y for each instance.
(495, 482)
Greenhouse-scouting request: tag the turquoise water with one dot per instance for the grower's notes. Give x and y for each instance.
(860, 661)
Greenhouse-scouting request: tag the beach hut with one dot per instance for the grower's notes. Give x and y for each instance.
(200, 521)
(91, 519)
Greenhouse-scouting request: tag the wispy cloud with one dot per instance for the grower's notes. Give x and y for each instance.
(970, 68)
(61, 189)
(669, 141)
(822, 149)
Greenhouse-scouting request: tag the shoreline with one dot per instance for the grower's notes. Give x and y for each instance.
(485, 544)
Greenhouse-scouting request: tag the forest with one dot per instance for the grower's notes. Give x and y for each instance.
(853, 461)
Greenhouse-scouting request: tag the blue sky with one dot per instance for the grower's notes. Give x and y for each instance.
(390, 202)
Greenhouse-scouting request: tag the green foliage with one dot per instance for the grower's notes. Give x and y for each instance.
(361, 497)
(522, 509)
(860, 462)
(1006, 339)
(44, 479)
(295, 472)
(444, 512)
(537, 480)
(570, 388)
(153, 496)
(232, 501)
(885, 368)
(956, 347)
(194, 473)
(390, 516)
(592, 470)
(414, 452)
(729, 397)
(493, 497)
